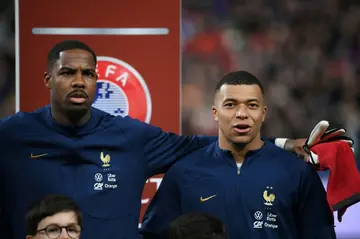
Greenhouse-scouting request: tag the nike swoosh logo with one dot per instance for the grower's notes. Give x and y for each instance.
(35, 156)
(205, 199)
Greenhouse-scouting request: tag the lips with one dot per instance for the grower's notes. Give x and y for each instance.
(78, 97)
(242, 128)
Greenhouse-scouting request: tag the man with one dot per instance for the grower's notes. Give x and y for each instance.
(196, 226)
(258, 190)
(73, 149)
(54, 217)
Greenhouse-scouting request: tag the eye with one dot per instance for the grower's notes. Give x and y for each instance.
(66, 73)
(89, 73)
(229, 105)
(253, 105)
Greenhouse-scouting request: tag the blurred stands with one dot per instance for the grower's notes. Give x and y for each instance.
(306, 53)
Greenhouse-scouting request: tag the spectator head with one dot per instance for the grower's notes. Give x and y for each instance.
(54, 217)
(196, 226)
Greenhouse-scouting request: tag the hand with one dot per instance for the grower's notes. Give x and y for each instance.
(297, 146)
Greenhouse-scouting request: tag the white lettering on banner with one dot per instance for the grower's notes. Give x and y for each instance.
(123, 78)
(258, 224)
(110, 70)
(151, 180)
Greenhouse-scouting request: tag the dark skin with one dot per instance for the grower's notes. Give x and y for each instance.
(237, 104)
(72, 83)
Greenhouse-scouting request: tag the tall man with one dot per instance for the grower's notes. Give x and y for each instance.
(258, 190)
(70, 148)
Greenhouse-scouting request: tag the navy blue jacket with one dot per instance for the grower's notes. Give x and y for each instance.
(273, 194)
(103, 165)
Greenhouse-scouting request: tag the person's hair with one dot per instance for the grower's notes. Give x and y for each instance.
(239, 78)
(54, 53)
(49, 206)
(196, 226)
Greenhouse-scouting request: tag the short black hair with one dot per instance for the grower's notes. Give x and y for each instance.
(196, 226)
(54, 53)
(49, 206)
(239, 78)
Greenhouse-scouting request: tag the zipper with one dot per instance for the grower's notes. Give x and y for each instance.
(238, 170)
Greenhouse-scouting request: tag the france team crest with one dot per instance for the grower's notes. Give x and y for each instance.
(121, 90)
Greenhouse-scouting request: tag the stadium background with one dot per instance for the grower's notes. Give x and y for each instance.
(307, 54)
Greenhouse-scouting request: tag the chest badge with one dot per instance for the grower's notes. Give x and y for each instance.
(268, 196)
(105, 159)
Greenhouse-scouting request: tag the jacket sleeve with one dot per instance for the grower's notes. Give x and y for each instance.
(163, 209)
(315, 219)
(162, 149)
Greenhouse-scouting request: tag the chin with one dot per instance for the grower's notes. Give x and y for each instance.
(241, 139)
(77, 107)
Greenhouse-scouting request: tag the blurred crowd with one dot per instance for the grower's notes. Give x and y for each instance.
(7, 58)
(306, 53)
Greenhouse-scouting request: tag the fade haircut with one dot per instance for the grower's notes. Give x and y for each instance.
(196, 226)
(239, 78)
(49, 206)
(54, 53)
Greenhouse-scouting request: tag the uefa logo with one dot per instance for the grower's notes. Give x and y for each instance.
(121, 90)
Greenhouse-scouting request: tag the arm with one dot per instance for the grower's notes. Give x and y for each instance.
(315, 219)
(162, 210)
(162, 149)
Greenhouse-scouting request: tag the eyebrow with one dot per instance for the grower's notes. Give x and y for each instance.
(68, 68)
(248, 100)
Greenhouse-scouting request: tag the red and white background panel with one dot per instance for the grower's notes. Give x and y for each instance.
(138, 48)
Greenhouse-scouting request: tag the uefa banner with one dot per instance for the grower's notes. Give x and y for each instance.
(138, 47)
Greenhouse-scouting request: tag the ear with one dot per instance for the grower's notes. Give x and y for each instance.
(215, 113)
(47, 80)
(264, 113)
(29, 237)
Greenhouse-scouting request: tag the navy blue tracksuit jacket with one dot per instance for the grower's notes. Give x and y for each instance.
(103, 165)
(272, 195)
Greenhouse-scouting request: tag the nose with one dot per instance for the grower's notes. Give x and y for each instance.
(64, 234)
(79, 81)
(241, 112)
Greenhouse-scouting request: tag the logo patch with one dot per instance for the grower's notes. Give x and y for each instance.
(121, 90)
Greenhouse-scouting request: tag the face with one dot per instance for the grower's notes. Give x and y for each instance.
(240, 112)
(62, 219)
(72, 80)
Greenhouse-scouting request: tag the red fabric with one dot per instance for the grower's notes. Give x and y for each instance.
(343, 189)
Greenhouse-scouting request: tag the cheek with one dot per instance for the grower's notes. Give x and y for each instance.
(92, 89)
(258, 117)
(225, 119)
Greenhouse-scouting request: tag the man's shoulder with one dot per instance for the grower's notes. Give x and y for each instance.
(193, 159)
(285, 158)
(21, 119)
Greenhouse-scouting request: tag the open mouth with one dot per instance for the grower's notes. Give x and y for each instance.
(242, 128)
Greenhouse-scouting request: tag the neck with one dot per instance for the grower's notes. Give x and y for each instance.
(76, 117)
(239, 150)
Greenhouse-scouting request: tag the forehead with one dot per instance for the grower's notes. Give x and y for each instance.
(240, 92)
(61, 218)
(76, 58)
